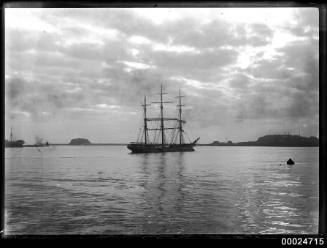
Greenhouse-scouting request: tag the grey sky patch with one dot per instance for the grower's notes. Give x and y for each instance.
(239, 81)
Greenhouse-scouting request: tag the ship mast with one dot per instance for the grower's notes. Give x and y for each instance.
(145, 121)
(162, 118)
(11, 136)
(180, 127)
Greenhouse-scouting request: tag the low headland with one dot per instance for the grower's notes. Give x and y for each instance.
(282, 140)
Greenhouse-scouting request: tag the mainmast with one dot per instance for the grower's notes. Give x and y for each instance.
(162, 119)
(11, 136)
(180, 127)
(145, 121)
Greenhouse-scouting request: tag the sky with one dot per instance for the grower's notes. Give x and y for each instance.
(245, 72)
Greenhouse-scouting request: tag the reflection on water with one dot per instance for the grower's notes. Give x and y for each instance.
(105, 190)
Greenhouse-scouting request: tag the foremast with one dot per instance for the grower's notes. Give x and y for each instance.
(11, 135)
(145, 121)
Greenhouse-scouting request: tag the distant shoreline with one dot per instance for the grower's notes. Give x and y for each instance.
(120, 144)
(265, 141)
(260, 145)
(95, 144)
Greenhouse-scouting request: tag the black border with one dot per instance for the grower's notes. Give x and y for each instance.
(273, 239)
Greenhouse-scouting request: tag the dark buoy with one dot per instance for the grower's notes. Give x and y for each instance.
(290, 162)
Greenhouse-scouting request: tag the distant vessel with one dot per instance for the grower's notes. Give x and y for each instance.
(290, 162)
(176, 142)
(12, 142)
(40, 144)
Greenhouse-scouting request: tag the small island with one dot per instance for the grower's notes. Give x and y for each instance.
(283, 140)
(79, 142)
(14, 143)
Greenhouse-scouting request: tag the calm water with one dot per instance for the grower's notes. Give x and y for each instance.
(105, 190)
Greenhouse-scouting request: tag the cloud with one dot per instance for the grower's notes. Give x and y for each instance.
(240, 81)
(261, 29)
(307, 23)
(232, 69)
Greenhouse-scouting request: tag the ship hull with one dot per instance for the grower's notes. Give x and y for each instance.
(142, 148)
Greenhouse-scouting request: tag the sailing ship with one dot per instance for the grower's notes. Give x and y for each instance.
(177, 141)
(12, 142)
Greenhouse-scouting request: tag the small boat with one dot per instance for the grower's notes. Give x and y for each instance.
(176, 142)
(290, 162)
(40, 144)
